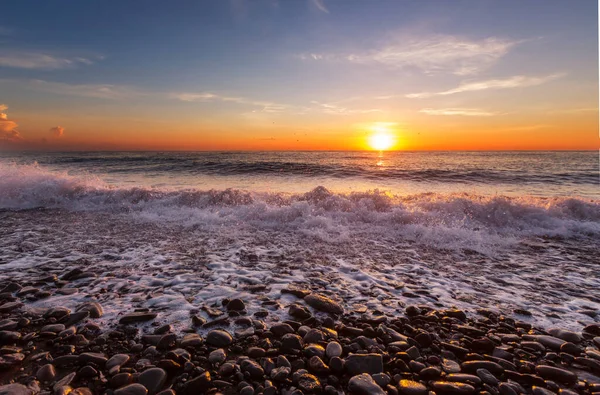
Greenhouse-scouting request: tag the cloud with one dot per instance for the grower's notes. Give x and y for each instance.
(320, 4)
(57, 131)
(432, 54)
(40, 60)
(468, 112)
(517, 81)
(97, 91)
(8, 128)
(336, 109)
(265, 106)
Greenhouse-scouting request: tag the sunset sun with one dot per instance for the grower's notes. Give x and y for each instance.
(381, 138)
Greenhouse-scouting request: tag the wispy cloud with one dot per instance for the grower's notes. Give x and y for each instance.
(467, 112)
(320, 4)
(40, 60)
(432, 54)
(265, 106)
(8, 128)
(97, 91)
(526, 128)
(518, 81)
(336, 109)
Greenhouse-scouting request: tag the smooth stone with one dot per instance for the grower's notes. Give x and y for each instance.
(94, 308)
(487, 377)
(556, 374)
(565, 335)
(77, 317)
(97, 358)
(323, 303)
(316, 364)
(217, 356)
(132, 318)
(314, 336)
(121, 380)
(191, 340)
(571, 348)
(446, 387)
(153, 379)
(364, 363)
(464, 378)
(219, 338)
(46, 373)
(333, 349)
(8, 360)
(291, 341)
(506, 389)
(253, 368)
(281, 329)
(472, 366)
(167, 341)
(535, 390)
(450, 366)
(364, 384)
(16, 389)
(309, 383)
(8, 325)
(410, 387)
(10, 306)
(197, 385)
(132, 389)
(299, 312)
(281, 373)
(236, 305)
(551, 342)
(314, 350)
(113, 365)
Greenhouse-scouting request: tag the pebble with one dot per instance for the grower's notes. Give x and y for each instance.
(197, 385)
(46, 373)
(333, 349)
(153, 379)
(191, 340)
(217, 356)
(446, 387)
(15, 389)
(132, 389)
(309, 383)
(363, 363)
(365, 385)
(556, 374)
(565, 335)
(113, 365)
(133, 318)
(323, 303)
(219, 338)
(410, 387)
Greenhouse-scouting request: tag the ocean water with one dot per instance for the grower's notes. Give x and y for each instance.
(177, 231)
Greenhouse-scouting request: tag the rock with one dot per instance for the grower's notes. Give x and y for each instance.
(167, 341)
(236, 305)
(535, 390)
(253, 368)
(472, 366)
(77, 317)
(551, 342)
(197, 385)
(54, 328)
(290, 342)
(556, 374)
(464, 378)
(364, 363)
(113, 365)
(191, 340)
(300, 293)
(10, 306)
(96, 358)
(487, 377)
(281, 329)
(410, 387)
(506, 389)
(132, 318)
(593, 329)
(333, 349)
(121, 380)
(219, 338)
(8, 325)
(15, 389)
(571, 348)
(323, 303)
(365, 385)
(46, 373)
(446, 387)
(309, 383)
(280, 373)
(314, 350)
(217, 356)
(87, 372)
(565, 335)
(11, 288)
(298, 311)
(153, 379)
(450, 366)
(7, 337)
(132, 389)
(316, 364)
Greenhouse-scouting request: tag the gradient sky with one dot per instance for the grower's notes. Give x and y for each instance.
(298, 74)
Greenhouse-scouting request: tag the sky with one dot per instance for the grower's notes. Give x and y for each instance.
(299, 75)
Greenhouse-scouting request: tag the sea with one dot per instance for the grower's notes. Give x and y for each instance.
(514, 232)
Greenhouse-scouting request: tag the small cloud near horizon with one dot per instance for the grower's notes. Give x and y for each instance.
(8, 128)
(57, 131)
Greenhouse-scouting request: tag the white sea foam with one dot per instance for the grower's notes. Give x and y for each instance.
(175, 250)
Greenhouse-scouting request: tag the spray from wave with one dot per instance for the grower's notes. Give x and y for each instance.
(446, 220)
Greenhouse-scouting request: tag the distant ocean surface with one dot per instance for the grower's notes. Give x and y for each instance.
(500, 230)
(488, 173)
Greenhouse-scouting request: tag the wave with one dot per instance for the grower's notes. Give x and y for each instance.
(25, 187)
(348, 167)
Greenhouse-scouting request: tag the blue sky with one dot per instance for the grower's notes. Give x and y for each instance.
(204, 69)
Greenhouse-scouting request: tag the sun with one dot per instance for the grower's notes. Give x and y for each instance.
(381, 138)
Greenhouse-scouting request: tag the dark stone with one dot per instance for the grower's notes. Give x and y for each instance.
(446, 387)
(219, 338)
(198, 385)
(410, 387)
(364, 363)
(363, 384)
(153, 379)
(137, 317)
(556, 374)
(323, 303)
